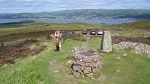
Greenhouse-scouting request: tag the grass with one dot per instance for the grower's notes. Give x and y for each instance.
(31, 70)
(50, 67)
(132, 69)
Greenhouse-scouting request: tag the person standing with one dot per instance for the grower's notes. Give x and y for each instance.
(57, 40)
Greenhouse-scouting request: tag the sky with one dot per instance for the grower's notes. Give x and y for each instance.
(22, 6)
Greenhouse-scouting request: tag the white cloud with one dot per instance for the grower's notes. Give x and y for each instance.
(24, 0)
(52, 5)
(90, 0)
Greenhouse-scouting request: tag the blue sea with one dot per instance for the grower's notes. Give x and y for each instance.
(92, 21)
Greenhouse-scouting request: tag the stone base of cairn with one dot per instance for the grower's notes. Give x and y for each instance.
(85, 62)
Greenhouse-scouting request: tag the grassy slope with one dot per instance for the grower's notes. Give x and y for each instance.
(36, 69)
(133, 69)
(43, 27)
(51, 67)
(139, 28)
(31, 70)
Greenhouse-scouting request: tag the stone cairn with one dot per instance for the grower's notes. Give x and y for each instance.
(85, 62)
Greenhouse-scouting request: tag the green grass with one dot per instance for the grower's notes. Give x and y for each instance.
(50, 67)
(133, 69)
(31, 70)
(34, 70)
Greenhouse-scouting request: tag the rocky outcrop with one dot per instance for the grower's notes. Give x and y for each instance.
(138, 48)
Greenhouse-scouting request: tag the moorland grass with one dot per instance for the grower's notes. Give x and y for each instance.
(50, 67)
(129, 69)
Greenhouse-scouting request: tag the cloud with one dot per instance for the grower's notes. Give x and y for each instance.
(54, 5)
(23, 0)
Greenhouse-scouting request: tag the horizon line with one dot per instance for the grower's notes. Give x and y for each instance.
(78, 9)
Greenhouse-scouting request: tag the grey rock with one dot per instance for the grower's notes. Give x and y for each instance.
(87, 70)
(87, 59)
(138, 48)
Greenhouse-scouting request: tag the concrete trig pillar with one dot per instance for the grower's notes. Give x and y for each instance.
(106, 42)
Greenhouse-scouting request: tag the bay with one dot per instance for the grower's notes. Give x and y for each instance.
(92, 21)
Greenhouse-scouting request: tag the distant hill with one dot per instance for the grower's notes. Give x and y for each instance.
(85, 14)
(15, 24)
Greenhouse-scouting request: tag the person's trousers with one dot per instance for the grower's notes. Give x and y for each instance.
(57, 48)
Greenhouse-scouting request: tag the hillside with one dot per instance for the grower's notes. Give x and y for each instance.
(50, 67)
(85, 14)
(136, 29)
(29, 58)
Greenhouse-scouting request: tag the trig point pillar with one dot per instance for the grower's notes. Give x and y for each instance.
(106, 42)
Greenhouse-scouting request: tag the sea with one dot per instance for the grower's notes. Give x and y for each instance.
(91, 21)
